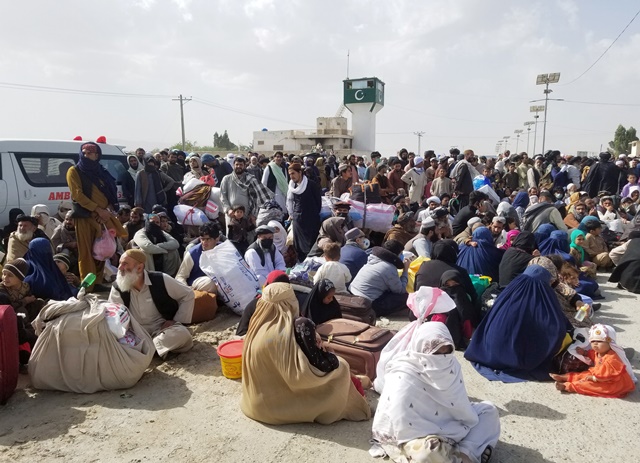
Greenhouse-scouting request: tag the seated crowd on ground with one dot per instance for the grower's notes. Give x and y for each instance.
(514, 243)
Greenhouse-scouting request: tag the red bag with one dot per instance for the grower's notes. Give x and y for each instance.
(9, 360)
(209, 179)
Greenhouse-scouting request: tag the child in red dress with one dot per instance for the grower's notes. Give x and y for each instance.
(611, 374)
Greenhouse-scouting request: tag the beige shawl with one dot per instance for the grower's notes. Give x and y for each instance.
(279, 385)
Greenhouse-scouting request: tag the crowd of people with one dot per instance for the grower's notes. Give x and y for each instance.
(540, 228)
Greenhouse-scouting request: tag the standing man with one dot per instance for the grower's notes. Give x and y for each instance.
(464, 173)
(173, 169)
(254, 168)
(158, 302)
(242, 189)
(372, 169)
(304, 202)
(395, 177)
(95, 202)
(416, 179)
(152, 186)
(276, 178)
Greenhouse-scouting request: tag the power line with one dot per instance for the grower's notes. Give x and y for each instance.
(603, 104)
(246, 113)
(40, 88)
(608, 48)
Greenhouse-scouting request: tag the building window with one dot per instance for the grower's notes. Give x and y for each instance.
(260, 142)
(278, 147)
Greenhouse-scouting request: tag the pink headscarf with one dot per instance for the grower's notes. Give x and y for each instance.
(511, 234)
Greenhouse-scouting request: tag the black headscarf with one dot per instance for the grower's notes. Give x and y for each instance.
(98, 174)
(445, 250)
(317, 310)
(156, 235)
(305, 334)
(517, 257)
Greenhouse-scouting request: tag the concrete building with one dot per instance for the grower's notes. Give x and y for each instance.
(330, 132)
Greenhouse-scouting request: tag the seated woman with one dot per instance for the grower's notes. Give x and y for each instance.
(16, 293)
(464, 317)
(279, 383)
(627, 273)
(424, 413)
(516, 258)
(543, 232)
(321, 304)
(557, 243)
(44, 277)
(443, 259)
(481, 256)
(522, 333)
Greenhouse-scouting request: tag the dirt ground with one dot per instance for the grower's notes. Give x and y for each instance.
(185, 410)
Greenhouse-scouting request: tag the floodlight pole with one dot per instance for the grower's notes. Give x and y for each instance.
(528, 133)
(546, 103)
(419, 135)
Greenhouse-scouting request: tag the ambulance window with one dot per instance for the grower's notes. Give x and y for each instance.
(43, 169)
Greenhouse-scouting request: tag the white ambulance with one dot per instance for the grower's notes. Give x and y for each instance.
(34, 172)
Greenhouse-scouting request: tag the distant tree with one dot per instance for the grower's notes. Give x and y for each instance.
(621, 140)
(222, 142)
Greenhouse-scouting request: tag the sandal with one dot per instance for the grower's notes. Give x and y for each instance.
(486, 455)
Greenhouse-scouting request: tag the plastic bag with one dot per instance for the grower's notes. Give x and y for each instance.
(236, 282)
(129, 339)
(378, 217)
(188, 215)
(104, 247)
(493, 196)
(118, 318)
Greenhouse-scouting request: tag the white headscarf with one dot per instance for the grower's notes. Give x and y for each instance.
(422, 303)
(606, 333)
(280, 235)
(424, 392)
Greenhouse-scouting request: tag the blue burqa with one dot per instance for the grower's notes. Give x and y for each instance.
(557, 243)
(543, 232)
(45, 278)
(524, 330)
(483, 259)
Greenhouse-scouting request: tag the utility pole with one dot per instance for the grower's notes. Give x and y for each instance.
(183, 101)
(419, 135)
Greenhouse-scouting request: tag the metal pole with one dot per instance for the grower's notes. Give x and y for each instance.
(528, 133)
(517, 142)
(182, 101)
(535, 134)
(544, 127)
(182, 121)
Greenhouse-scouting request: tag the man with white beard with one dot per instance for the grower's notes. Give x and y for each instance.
(19, 240)
(157, 301)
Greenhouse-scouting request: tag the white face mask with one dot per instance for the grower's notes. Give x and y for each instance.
(365, 243)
